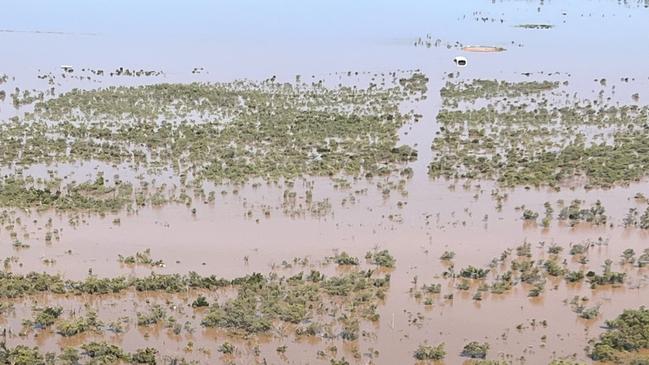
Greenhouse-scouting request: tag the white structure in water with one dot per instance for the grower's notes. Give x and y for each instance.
(460, 61)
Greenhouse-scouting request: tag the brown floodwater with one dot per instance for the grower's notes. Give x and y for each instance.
(435, 219)
(416, 225)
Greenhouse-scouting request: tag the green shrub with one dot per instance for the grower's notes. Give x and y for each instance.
(227, 348)
(344, 259)
(475, 350)
(21, 355)
(472, 272)
(381, 258)
(553, 268)
(47, 316)
(144, 356)
(71, 327)
(447, 256)
(530, 215)
(432, 288)
(428, 352)
(575, 276)
(155, 315)
(201, 301)
(103, 353)
(629, 332)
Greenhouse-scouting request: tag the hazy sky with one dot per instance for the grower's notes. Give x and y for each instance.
(255, 38)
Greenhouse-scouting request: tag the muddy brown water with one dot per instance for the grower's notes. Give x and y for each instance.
(439, 215)
(217, 239)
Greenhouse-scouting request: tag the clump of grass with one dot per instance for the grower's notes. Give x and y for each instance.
(201, 301)
(227, 348)
(575, 276)
(486, 89)
(566, 362)
(447, 256)
(588, 313)
(464, 284)
(350, 330)
(69, 356)
(430, 352)
(628, 256)
(46, 316)
(530, 215)
(575, 214)
(503, 283)
(155, 315)
(547, 219)
(643, 260)
(415, 84)
(21, 354)
(536, 290)
(75, 326)
(608, 276)
(432, 288)
(140, 258)
(5, 307)
(17, 192)
(475, 350)
(578, 249)
(311, 329)
(524, 250)
(381, 258)
(555, 249)
(344, 258)
(553, 268)
(339, 362)
(103, 353)
(146, 355)
(472, 272)
(632, 219)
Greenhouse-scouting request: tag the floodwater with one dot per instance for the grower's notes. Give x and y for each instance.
(245, 39)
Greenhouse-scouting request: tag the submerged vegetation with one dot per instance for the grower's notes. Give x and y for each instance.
(43, 195)
(429, 352)
(475, 350)
(222, 132)
(312, 301)
(343, 258)
(140, 258)
(381, 258)
(16, 285)
(516, 134)
(98, 165)
(531, 270)
(624, 337)
(75, 326)
(90, 353)
(574, 213)
(535, 26)
(309, 304)
(488, 89)
(321, 305)
(45, 317)
(260, 301)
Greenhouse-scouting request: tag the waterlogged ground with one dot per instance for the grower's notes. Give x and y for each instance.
(259, 186)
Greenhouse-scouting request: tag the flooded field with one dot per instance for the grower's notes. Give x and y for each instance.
(294, 183)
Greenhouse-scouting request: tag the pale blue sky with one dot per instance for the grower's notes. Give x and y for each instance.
(254, 38)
